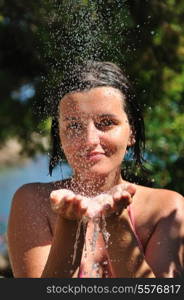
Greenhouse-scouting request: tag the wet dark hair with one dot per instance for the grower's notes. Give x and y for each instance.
(89, 75)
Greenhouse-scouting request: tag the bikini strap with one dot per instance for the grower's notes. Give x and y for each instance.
(132, 220)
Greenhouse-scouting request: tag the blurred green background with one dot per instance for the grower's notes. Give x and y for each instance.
(40, 38)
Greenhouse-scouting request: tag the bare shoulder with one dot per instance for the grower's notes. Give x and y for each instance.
(158, 202)
(35, 188)
(157, 198)
(31, 202)
(30, 196)
(36, 192)
(151, 205)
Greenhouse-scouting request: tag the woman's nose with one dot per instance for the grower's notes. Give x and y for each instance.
(92, 135)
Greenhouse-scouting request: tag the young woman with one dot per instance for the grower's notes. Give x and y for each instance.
(96, 224)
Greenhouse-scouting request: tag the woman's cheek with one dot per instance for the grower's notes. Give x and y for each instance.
(71, 150)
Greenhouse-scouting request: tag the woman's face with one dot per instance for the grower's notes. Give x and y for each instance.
(94, 130)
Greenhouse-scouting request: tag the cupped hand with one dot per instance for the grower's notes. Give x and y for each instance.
(73, 206)
(68, 204)
(113, 201)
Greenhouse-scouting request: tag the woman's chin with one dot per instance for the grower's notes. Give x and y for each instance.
(96, 171)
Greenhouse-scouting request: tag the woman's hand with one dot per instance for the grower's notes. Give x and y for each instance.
(68, 204)
(72, 206)
(113, 201)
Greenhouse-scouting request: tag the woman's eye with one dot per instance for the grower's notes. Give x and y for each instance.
(105, 123)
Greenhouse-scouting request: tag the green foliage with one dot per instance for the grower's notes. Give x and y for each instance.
(40, 39)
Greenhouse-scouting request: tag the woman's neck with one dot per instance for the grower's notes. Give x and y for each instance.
(92, 186)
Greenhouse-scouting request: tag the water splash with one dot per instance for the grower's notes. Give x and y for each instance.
(99, 226)
(81, 224)
(105, 233)
(95, 268)
(95, 235)
(77, 240)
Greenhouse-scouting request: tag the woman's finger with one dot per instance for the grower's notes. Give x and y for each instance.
(130, 188)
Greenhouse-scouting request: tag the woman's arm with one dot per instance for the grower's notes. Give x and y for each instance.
(33, 251)
(165, 248)
(60, 260)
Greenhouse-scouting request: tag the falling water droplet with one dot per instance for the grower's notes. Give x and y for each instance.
(76, 240)
(95, 233)
(105, 233)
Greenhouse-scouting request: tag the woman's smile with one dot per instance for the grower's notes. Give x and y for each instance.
(95, 156)
(94, 130)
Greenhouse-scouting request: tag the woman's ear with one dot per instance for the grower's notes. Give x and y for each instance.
(131, 140)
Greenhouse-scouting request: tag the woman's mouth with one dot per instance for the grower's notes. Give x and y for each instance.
(95, 156)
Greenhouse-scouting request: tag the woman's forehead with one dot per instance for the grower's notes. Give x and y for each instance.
(102, 100)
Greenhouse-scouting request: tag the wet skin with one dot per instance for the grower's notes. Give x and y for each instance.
(95, 133)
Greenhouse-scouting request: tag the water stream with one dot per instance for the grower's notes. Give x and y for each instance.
(99, 226)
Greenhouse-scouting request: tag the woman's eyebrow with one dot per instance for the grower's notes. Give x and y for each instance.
(107, 116)
(71, 119)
